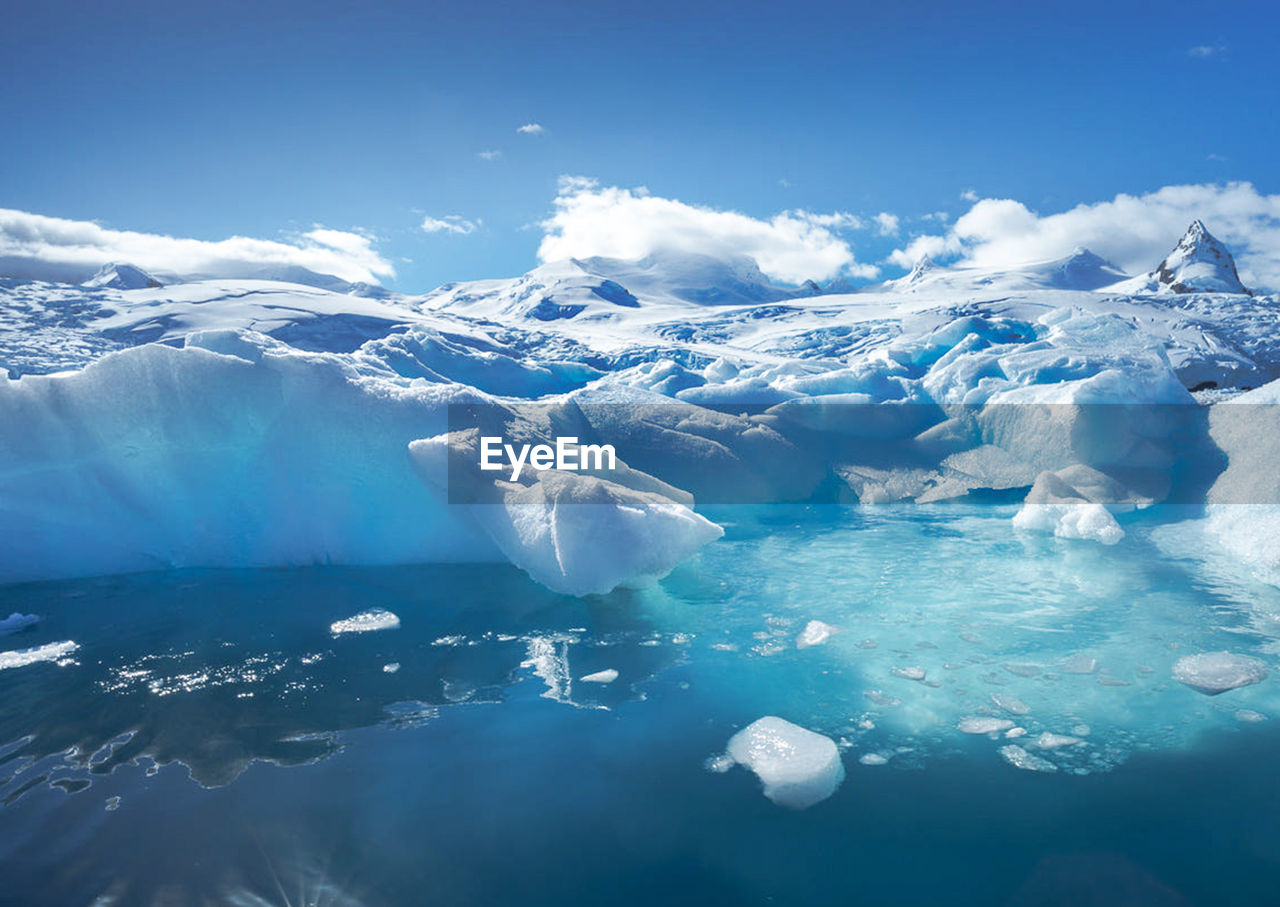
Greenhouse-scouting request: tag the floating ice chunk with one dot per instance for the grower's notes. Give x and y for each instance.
(609, 675)
(1212, 673)
(980, 724)
(366, 622)
(720, 763)
(17, 621)
(797, 767)
(873, 759)
(1020, 758)
(1048, 741)
(391, 668)
(1015, 732)
(572, 532)
(1080, 663)
(1011, 704)
(1023, 670)
(815, 633)
(1083, 520)
(54, 651)
(911, 672)
(1249, 716)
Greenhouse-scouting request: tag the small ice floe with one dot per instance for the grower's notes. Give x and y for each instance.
(1049, 741)
(879, 698)
(1080, 663)
(874, 759)
(57, 652)
(1011, 704)
(719, 763)
(1023, 670)
(17, 621)
(1212, 673)
(1249, 716)
(608, 675)
(815, 633)
(365, 622)
(391, 668)
(981, 724)
(797, 767)
(911, 672)
(1020, 758)
(1015, 732)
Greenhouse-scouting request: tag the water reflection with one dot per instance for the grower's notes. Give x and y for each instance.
(218, 669)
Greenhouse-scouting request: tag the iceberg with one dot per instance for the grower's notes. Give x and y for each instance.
(797, 767)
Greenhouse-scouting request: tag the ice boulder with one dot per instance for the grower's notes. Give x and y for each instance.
(1080, 520)
(1212, 673)
(797, 767)
(815, 633)
(574, 533)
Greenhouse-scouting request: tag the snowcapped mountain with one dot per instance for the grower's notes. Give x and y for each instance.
(122, 277)
(590, 288)
(1199, 263)
(1080, 270)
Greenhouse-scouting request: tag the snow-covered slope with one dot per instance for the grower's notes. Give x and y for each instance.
(1080, 270)
(1199, 263)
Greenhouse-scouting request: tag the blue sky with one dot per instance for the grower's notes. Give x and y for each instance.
(267, 119)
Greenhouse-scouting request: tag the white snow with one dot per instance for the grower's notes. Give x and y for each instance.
(366, 622)
(1212, 673)
(797, 767)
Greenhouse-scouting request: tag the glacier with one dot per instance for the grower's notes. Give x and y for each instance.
(265, 423)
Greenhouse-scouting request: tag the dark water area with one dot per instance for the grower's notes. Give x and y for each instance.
(211, 741)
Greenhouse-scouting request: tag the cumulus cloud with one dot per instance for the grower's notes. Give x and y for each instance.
(608, 221)
(1134, 231)
(33, 246)
(488, 155)
(887, 223)
(450, 223)
(531, 129)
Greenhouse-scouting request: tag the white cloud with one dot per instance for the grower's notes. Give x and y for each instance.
(887, 223)
(1134, 231)
(488, 155)
(1205, 51)
(792, 246)
(969, 195)
(450, 223)
(531, 129)
(34, 246)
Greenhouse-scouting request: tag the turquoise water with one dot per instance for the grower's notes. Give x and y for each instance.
(211, 740)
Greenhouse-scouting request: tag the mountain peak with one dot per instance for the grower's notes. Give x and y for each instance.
(122, 277)
(1199, 263)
